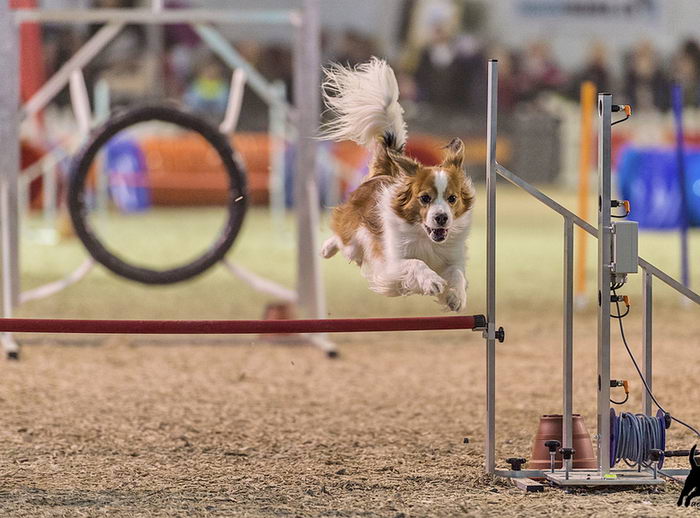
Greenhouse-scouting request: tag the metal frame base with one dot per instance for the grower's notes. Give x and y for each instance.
(9, 346)
(593, 478)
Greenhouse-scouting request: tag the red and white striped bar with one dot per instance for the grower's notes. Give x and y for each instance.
(228, 327)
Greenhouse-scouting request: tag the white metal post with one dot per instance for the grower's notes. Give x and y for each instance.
(647, 355)
(491, 134)
(568, 350)
(9, 168)
(278, 144)
(307, 70)
(604, 279)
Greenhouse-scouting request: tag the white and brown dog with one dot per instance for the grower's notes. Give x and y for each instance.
(406, 225)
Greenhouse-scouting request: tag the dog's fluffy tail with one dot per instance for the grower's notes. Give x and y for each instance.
(365, 105)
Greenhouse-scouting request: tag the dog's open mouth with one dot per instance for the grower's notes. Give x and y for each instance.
(436, 234)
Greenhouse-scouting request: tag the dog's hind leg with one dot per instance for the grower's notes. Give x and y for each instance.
(686, 489)
(692, 494)
(330, 247)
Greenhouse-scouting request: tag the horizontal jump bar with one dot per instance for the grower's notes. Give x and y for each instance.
(228, 327)
(165, 16)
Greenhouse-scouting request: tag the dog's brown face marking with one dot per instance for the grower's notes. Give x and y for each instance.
(435, 196)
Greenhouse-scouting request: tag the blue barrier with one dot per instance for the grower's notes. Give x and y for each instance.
(648, 178)
(128, 179)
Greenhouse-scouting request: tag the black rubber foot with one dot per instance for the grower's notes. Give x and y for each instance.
(13, 355)
(332, 354)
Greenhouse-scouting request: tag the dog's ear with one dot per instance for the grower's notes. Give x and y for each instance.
(405, 164)
(403, 204)
(454, 154)
(468, 193)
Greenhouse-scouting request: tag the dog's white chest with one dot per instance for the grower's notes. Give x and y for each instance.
(424, 250)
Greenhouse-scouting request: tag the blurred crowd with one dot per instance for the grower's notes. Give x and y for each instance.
(446, 72)
(450, 72)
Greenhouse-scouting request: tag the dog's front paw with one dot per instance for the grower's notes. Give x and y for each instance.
(330, 248)
(456, 299)
(431, 284)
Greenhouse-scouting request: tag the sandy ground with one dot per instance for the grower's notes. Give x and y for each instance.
(239, 427)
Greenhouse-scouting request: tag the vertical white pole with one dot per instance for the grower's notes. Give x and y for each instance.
(9, 167)
(647, 352)
(491, 134)
(80, 101)
(604, 280)
(307, 70)
(568, 352)
(278, 144)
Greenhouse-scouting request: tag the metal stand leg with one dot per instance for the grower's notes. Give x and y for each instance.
(9, 170)
(647, 280)
(307, 100)
(568, 353)
(307, 61)
(278, 142)
(604, 280)
(490, 333)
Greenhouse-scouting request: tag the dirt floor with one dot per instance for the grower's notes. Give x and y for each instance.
(240, 427)
(223, 426)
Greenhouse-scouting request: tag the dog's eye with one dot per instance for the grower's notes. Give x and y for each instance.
(425, 199)
(451, 199)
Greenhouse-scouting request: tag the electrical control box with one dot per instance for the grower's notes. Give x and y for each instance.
(624, 247)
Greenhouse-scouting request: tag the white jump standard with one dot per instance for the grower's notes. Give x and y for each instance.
(617, 256)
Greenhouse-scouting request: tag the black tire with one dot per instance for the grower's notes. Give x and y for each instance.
(236, 203)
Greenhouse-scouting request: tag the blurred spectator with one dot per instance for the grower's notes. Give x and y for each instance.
(470, 53)
(60, 43)
(181, 44)
(508, 80)
(687, 72)
(276, 65)
(355, 48)
(540, 71)
(441, 74)
(129, 71)
(208, 92)
(594, 70)
(645, 83)
(179, 59)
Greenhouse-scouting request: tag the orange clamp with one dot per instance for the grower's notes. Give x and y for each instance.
(628, 110)
(626, 385)
(626, 300)
(626, 205)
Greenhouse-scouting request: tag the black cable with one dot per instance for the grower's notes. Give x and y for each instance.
(623, 315)
(627, 396)
(613, 288)
(641, 376)
(621, 120)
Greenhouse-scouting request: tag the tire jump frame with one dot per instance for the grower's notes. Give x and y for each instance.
(299, 121)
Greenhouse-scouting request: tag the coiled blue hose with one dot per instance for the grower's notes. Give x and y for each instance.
(635, 435)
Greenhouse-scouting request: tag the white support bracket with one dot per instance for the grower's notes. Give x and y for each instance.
(235, 99)
(80, 101)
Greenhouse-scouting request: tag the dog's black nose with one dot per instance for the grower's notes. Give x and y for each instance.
(441, 219)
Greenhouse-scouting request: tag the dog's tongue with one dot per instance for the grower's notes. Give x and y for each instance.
(439, 234)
